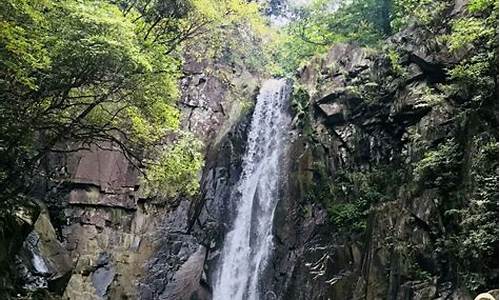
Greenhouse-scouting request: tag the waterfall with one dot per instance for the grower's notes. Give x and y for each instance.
(248, 245)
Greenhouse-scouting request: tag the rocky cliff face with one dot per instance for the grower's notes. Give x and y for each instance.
(368, 216)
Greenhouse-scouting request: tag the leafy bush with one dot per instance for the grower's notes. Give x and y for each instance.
(350, 194)
(467, 31)
(475, 75)
(349, 216)
(176, 171)
(300, 106)
(429, 97)
(475, 244)
(481, 6)
(423, 12)
(394, 59)
(439, 167)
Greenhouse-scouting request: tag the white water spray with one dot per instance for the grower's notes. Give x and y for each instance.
(248, 246)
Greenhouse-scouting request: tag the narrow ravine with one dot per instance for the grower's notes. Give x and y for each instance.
(249, 243)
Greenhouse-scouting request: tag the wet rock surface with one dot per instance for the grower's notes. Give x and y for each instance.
(43, 261)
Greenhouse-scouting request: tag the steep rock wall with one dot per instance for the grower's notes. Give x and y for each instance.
(359, 222)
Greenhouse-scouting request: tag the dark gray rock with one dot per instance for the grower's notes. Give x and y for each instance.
(186, 283)
(364, 115)
(43, 262)
(103, 275)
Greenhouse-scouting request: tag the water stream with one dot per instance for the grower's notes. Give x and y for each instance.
(248, 246)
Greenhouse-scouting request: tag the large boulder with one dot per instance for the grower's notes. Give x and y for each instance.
(43, 261)
(15, 227)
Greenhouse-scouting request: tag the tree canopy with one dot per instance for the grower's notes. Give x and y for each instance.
(88, 72)
(317, 26)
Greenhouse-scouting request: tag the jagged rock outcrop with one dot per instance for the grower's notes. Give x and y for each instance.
(214, 97)
(103, 224)
(366, 118)
(43, 261)
(14, 231)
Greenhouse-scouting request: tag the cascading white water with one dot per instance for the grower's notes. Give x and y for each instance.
(249, 244)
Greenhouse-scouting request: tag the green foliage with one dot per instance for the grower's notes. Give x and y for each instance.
(232, 31)
(474, 281)
(300, 106)
(185, 23)
(366, 22)
(350, 194)
(475, 75)
(429, 97)
(481, 6)
(394, 59)
(94, 72)
(290, 52)
(323, 23)
(439, 167)
(22, 51)
(467, 31)
(176, 171)
(320, 25)
(475, 244)
(422, 12)
(361, 189)
(416, 271)
(349, 216)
